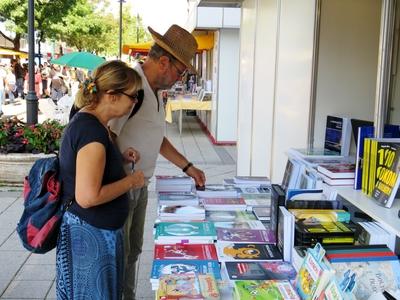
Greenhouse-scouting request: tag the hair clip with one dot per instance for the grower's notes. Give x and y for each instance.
(90, 86)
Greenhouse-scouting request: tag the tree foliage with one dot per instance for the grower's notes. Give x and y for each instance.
(82, 24)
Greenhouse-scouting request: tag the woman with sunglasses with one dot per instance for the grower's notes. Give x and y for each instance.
(90, 246)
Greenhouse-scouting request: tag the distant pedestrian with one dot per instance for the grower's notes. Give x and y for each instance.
(3, 75)
(10, 85)
(19, 77)
(90, 249)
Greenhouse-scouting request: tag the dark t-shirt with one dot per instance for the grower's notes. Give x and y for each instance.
(82, 130)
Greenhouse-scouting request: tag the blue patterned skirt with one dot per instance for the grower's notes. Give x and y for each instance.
(89, 261)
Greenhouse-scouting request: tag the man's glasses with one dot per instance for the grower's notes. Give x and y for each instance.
(180, 73)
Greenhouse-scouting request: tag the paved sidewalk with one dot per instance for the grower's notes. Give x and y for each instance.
(31, 276)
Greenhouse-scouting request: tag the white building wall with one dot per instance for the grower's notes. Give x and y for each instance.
(274, 83)
(228, 66)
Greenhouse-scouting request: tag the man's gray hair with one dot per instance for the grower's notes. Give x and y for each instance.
(156, 52)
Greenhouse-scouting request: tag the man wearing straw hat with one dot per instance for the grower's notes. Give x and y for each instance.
(167, 62)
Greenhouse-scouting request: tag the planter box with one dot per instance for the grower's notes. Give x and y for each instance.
(15, 166)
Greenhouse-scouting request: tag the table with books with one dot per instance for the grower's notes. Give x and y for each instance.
(184, 103)
(243, 240)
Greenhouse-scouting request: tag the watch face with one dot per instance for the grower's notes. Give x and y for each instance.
(181, 229)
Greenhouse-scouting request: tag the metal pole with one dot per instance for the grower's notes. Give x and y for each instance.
(31, 98)
(137, 28)
(120, 29)
(384, 65)
(313, 99)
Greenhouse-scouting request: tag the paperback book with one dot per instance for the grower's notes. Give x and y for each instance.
(167, 267)
(336, 171)
(274, 270)
(188, 286)
(185, 252)
(375, 154)
(264, 290)
(224, 204)
(247, 252)
(230, 216)
(388, 179)
(177, 198)
(240, 225)
(171, 232)
(246, 236)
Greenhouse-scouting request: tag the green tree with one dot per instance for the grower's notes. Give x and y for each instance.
(47, 13)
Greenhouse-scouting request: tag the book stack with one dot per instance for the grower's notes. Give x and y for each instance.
(223, 204)
(177, 198)
(218, 191)
(372, 233)
(376, 268)
(181, 213)
(167, 183)
(251, 180)
(337, 174)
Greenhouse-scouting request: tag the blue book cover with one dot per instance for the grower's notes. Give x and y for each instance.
(166, 267)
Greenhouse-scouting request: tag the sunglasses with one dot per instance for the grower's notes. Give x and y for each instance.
(136, 97)
(180, 73)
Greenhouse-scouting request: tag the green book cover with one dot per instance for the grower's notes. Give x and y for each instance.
(187, 229)
(264, 290)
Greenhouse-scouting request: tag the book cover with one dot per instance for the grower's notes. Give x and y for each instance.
(390, 131)
(175, 286)
(177, 198)
(246, 236)
(189, 229)
(275, 270)
(388, 179)
(337, 181)
(229, 216)
(262, 213)
(240, 225)
(218, 190)
(208, 286)
(285, 233)
(264, 290)
(247, 252)
(257, 180)
(223, 203)
(375, 152)
(371, 277)
(343, 170)
(313, 276)
(315, 216)
(338, 135)
(167, 267)
(180, 210)
(186, 251)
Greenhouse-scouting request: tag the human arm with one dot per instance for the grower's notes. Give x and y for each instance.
(169, 152)
(90, 164)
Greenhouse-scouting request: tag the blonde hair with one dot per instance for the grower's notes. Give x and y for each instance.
(115, 76)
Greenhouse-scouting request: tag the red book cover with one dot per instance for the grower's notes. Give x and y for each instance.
(186, 251)
(360, 254)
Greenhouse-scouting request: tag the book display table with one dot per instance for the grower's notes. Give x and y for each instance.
(181, 103)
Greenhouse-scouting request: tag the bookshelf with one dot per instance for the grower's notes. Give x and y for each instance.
(388, 217)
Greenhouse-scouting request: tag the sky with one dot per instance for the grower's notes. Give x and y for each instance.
(160, 14)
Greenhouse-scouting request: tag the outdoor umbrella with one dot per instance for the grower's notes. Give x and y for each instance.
(83, 60)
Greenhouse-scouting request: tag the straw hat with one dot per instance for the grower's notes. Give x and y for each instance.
(177, 41)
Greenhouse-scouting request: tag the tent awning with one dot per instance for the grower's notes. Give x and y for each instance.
(204, 42)
(9, 52)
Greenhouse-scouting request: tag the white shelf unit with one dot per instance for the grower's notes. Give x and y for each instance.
(387, 217)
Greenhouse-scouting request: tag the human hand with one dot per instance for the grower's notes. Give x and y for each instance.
(197, 174)
(131, 155)
(136, 179)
